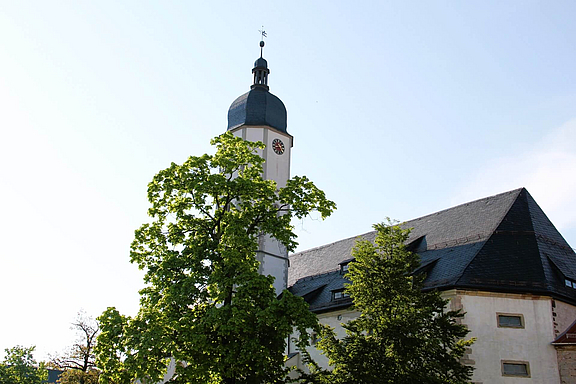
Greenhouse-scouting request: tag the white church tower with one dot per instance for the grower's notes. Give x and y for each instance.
(258, 115)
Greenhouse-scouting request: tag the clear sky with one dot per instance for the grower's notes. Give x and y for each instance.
(397, 109)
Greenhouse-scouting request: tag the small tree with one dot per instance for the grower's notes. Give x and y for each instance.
(78, 362)
(205, 304)
(403, 335)
(19, 367)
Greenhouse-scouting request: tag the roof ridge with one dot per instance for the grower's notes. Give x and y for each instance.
(316, 276)
(548, 239)
(545, 257)
(518, 191)
(332, 243)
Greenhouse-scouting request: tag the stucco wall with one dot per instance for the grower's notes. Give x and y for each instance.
(274, 255)
(563, 315)
(276, 167)
(494, 344)
(335, 320)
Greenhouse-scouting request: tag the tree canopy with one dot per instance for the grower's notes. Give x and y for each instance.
(205, 305)
(19, 367)
(404, 335)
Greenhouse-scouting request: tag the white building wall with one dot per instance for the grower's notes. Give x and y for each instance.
(272, 254)
(494, 344)
(334, 319)
(529, 344)
(276, 167)
(563, 315)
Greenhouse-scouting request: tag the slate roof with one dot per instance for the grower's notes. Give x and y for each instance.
(53, 375)
(258, 107)
(502, 243)
(261, 63)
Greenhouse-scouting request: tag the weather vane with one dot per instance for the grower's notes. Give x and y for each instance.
(263, 33)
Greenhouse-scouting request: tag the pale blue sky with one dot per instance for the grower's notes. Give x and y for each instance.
(398, 109)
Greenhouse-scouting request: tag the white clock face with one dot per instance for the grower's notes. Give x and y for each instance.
(278, 146)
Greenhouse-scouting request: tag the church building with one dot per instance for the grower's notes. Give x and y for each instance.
(499, 259)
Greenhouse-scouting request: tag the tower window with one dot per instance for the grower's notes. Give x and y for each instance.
(509, 320)
(515, 368)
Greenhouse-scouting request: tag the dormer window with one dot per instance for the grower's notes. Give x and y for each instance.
(417, 245)
(344, 266)
(339, 294)
(563, 274)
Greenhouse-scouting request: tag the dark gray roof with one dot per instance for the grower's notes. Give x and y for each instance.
(502, 243)
(257, 107)
(53, 375)
(261, 63)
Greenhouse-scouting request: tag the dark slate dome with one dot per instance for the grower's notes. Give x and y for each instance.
(261, 63)
(257, 107)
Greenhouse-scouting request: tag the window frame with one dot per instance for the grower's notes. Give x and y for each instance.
(342, 292)
(516, 362)
(521, 316)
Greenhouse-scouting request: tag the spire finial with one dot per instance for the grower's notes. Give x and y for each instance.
(263, 33)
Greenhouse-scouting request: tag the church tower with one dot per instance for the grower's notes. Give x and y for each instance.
(258, 115)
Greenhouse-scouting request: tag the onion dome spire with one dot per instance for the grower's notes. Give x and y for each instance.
(258, 107)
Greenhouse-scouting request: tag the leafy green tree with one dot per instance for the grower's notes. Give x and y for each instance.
(75, 376)
(205, 304)
(403, 335)
(19, 367)
(78, 362)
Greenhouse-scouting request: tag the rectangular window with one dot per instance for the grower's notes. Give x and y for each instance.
(568, 283)
(337, 295)
(515, 368)
(510, 320)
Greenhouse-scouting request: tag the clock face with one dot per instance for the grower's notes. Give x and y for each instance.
(278, 146)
